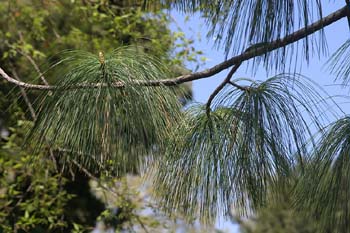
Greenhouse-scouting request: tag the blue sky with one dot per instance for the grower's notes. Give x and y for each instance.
(336, 35)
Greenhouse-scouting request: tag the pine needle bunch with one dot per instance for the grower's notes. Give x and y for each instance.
(239, 150)
(324, 189)
(100, 115)
(188, 178)
(339, 63)
(274, 133)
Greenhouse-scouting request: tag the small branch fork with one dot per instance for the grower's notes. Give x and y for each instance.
(222, 85)
(227, 80)
(246, 55)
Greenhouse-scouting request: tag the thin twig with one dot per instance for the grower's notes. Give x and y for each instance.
(268, 47)
(36, 67)
(242, 88)
(54, 161)
(141, 223)
(25, 96)
(31, 60)
(24, 84)
(228, 79)
(91, 176)
(32, 112)
(221, 86)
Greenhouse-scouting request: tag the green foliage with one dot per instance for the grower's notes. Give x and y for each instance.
(32, 35)
(236, 152)
(279, 219)
(279, 214)
(124, 213)
(104, 124)
(31, 195)
(323, 189)
(131, 209)
(95, 26)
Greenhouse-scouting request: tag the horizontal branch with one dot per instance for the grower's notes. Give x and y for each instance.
(248, 54)
(51, 87)
(25, 85)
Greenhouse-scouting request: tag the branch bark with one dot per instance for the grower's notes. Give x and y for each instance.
(248, 54)
(24, 84)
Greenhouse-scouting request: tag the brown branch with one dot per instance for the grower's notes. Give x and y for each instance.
(242, 88)
(23, 84)
(348, 6)
(228, 79)
(141, 223)
(32, 112)
(268, 47)
(51, 87)
(248, 54)
(221, 86)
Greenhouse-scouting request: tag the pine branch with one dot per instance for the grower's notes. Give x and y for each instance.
(221, 86)
(348, 6)
(24, 84)
(52, 87)
(228, 78)
(248, 54)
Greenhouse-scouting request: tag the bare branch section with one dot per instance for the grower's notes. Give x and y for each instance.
(23, 84)
(50, 87)
(248, 54)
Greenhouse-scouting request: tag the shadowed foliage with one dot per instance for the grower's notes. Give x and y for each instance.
(324, 187)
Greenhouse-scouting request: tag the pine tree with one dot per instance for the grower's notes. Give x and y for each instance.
(117, 112)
